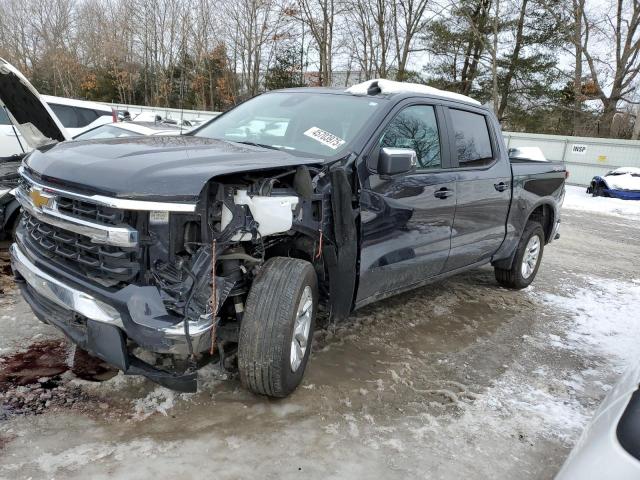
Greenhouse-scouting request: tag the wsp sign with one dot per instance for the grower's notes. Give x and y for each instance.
(578, 149)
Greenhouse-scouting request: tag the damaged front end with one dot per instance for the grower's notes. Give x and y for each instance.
(134, 281)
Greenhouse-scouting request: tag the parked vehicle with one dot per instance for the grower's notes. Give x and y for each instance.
(621, 183)
(12, 153)
(33, 125)
(610, 445)
(129, 129)
(224, 243)
(9, 138)
(78, 116)
(9, 206)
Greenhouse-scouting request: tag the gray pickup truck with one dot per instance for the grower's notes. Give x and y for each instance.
(223, 244)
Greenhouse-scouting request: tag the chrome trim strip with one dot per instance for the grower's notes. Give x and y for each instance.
(123, 203)
(61, 294)
(103, 234)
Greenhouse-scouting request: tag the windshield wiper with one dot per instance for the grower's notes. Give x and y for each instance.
(263, 145)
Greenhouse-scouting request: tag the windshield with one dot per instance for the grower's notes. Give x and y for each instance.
(319, 124)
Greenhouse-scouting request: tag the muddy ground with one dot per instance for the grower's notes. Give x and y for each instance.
(457, 380)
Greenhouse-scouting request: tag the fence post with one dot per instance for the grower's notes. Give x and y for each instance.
(564, 150)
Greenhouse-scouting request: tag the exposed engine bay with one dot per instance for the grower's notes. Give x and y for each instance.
(250, 218)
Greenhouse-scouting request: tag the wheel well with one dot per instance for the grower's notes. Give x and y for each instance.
(304, 247)
(10, 222)
(543, 214)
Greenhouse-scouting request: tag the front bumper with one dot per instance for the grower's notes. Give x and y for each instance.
(103, 326)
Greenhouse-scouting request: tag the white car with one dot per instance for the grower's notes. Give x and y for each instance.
(32, 117)
(609, 447)
(73, 116)
(130, 129)
(9, 137)
(34, 126)
(78, 116)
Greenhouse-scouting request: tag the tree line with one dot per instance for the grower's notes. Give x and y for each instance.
(548, 66)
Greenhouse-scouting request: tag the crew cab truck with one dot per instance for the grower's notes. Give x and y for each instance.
(223, 244)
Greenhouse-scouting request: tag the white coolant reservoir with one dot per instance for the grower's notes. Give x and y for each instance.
(273, 214)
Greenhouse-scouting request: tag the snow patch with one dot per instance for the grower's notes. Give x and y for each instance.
(283, 410)
(605, 317)
(77, 457)
(390, 86)
(517, 404)
(160, 400)
(577, 198)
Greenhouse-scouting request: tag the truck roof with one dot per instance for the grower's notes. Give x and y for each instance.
(388, 88)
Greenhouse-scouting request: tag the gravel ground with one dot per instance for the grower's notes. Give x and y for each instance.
(462, 379)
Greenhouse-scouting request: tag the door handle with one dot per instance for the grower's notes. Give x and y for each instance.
(501, 187)
(444, 192)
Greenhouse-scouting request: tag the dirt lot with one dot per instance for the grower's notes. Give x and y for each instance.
(457, 380)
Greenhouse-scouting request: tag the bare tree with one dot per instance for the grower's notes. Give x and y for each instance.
(253, 26)
(370, 40)
(409, 19)
(578, 12)
(613, 71)
(320, 16)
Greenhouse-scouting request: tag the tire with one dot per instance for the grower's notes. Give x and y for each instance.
(266, 337)
(515, 278)
(597, 191)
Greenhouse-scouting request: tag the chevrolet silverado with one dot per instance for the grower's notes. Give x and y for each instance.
(225, 243)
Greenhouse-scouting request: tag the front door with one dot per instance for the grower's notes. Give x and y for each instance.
(407, 219)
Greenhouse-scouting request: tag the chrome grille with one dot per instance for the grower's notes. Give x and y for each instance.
(91, 211)
(102, 224)
(106, 264)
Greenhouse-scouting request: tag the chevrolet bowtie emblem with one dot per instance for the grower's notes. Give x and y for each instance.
(39, 198)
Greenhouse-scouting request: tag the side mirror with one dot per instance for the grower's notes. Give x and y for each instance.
(393, 161)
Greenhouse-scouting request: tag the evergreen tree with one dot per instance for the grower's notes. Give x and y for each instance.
(286, 71)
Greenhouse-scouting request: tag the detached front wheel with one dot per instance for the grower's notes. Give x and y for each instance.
(527, 259)
(277, 327)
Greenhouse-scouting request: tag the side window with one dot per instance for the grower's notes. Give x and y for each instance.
(85, 116)
(66, 115)
(473, 143)
(416, 128)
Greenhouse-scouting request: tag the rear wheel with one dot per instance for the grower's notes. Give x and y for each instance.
(527, 259)
(277, 327)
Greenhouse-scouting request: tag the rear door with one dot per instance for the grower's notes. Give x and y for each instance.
(406, 219)
(483, 186)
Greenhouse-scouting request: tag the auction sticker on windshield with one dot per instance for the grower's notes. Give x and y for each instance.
(324, 137)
